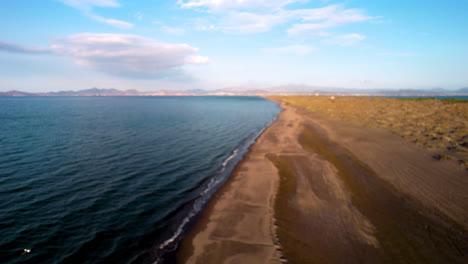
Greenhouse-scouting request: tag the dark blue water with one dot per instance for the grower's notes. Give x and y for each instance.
(114, 179)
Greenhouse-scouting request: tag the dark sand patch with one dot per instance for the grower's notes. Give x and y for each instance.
(406, 231)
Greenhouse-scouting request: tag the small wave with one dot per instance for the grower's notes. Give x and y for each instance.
(171, 243)
(198, 205)
(234, 153)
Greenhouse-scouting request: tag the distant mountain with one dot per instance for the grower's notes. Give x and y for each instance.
(17, 93)
(276, 90)
(463, 90)
(95, 92)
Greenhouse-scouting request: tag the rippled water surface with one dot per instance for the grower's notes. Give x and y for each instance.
(114, 179)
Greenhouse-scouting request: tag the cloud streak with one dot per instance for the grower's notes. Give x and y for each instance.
(220, 5)
(119, 54)
(86, 6)
(16, 48)
(257, 16)
(249, 23)
(317, 21)
(346, 40)
(112, 22)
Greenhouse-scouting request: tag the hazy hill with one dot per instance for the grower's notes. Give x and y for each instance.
(278, 90)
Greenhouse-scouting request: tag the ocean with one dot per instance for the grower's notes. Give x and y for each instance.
(115, 179)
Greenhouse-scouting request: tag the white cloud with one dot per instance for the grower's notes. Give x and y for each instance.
(219, 5)
(86, 6)
(307, 30)
(292, 49)
(119, 54)
(198, 60)
(113, 22)
(324, 18)
(322, 13)
(126, 54)
(249, 23)
(90, 3)
(346, 40)
(256, 16)
(346, 16)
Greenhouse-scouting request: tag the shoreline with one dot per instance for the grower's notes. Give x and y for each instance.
(332, 191)
(217, 228)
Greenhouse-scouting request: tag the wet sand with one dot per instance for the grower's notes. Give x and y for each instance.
(319, 190)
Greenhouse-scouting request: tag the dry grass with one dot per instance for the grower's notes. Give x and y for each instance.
(435, 124)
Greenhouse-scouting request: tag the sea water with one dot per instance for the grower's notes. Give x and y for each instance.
(114, 179)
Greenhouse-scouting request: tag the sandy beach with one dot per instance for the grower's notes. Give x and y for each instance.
(316, 188)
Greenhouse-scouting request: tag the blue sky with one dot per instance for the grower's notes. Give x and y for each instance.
(51, 45)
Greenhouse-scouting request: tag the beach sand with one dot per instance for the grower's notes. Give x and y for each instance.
(315, 189)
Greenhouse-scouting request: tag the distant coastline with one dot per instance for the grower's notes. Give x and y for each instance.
(278, 90)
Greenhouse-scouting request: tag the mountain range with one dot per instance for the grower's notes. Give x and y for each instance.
(277, 90)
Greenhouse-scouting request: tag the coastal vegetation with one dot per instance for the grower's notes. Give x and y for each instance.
(438, 125)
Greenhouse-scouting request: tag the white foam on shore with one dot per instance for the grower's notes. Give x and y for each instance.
(213, 183)
(199, 202)
(234, 153)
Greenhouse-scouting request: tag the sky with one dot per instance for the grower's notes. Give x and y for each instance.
(53, 45)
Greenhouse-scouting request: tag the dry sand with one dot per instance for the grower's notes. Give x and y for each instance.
(437, 125)
(319, 190)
